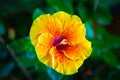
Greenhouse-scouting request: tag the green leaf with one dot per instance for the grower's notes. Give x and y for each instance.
(89, 29)
(40, 67)
(103, 16)
(102, 33)
(2, 29)
(53, 74)
(27, 60)
(111, 59)
(47, 71)
(82, 12)
(30, 5)
(37, 13)
(103, 48)
(108, 3)
(61, 5)
(23, 44)
(42, 76)
(99, 48)
(49, 10)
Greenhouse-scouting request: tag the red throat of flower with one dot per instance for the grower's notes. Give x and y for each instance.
(60, 43)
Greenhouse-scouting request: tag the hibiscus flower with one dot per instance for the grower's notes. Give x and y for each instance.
(60, 42)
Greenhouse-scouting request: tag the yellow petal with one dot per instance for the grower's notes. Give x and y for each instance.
(74, 32)
(80, 51)
(42, 48)
(62, 64)
(61, 18)
(43, 24)
(72, 27)
(86, 48)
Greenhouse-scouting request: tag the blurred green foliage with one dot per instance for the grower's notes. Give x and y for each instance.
(17, 15)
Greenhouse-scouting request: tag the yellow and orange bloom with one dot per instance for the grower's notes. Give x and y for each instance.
(60, 42)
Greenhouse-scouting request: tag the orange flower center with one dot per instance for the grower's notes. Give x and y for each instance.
(60, 43)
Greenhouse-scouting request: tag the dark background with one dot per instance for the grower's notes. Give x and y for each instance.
(17, 56)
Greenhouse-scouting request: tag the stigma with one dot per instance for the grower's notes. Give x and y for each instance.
(60, 43)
